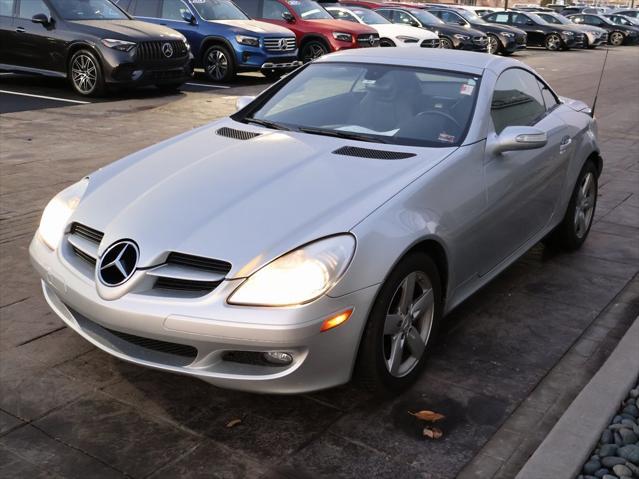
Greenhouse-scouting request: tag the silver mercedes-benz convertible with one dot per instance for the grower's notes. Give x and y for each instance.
(323, 230)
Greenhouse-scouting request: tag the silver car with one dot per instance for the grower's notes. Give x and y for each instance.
(323, 230)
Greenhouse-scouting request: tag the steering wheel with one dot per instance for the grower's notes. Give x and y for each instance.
(440, 113)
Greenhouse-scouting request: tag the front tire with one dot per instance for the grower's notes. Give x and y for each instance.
(445, 42)
(574, 228)
(218, 64)
(494, 46)
(313, 50)
(616, 39)
(85, 74)
(553, 42)
(401, 327)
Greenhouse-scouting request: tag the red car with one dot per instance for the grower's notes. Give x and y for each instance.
(316, 30)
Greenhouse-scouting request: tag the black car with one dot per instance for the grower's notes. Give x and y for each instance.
(93, 43)
(540, 33)
(622, 20)
(501, 38)
(449, 36)
(617, 34)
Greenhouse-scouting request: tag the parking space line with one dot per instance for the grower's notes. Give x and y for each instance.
(44, 97)
(208, 85)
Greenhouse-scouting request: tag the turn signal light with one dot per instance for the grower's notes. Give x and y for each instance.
(335, 321)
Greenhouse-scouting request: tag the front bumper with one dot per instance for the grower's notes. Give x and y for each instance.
(204, 337)
(475, 45)
(575, 41)
(512, 44)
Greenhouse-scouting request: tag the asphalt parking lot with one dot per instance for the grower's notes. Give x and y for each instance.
(70, 410)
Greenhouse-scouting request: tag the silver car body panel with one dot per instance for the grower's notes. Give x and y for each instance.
(249, 202)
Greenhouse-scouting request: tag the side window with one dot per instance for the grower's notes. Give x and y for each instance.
(405, 18)
(387, 14)
(550, 101)
(173, 10)
(450, 17)
(29, 8)
(6, 8)
(519, 19)
(501, 18)
(343, 15)
(250, 7)
(577, 19)
(147, 8)
(517, 100)
(592, 20)
(123, 4)
(273, 10)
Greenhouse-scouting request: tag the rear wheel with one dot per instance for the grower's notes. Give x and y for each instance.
(312, 50)
(616, 39)
(386, 42)
(218, 64)
(445, 42)
(401, 327)
(493, 45)
(553, 42)
(85, 74)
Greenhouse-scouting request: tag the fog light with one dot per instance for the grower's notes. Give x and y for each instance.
(278, 357)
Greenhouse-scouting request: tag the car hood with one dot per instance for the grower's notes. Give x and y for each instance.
(242, 201)
(255, 26)
(125, 29)
(342, 26)
(393, 30)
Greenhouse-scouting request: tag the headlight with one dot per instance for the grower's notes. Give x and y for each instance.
(298, 277)
(344, 37)
(461, 37)
(57, 213)
(246, 40)
(407, 39)
(507, 34)
(186, 42)
(121, 45)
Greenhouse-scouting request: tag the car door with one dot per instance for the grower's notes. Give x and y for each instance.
(536, 33)
(522, 187)
(33, 44)
(7, 31)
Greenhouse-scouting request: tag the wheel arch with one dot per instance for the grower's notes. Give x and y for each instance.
(80, 45)
(212, 40)
(317, 37)
(436, 251)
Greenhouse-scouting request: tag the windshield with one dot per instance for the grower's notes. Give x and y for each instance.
(556, 19)
(218, 10)
(472, 17)
(378, 103)
(619, 20)
(309, 10)
(88, 10)
(370, 17)
(426, 18)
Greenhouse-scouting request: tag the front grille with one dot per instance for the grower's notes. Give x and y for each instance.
(482, 41)
(434, 43)
(520, 39)
(156, 345)
(82, 255)
(373, 154)
(92, 235)
(368, 40)
(208, 264)
(154, 50)
(236, 134)
(176, 284)
(284, 44)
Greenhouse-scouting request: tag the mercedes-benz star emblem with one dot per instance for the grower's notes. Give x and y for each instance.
(118, 263)
(167, 49)
(282, 44)
(371, 40)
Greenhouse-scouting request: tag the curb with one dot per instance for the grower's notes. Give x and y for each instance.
(570, 442)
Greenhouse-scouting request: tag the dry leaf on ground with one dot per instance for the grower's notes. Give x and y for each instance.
(429, 416)
(233, 423)
(432, 432)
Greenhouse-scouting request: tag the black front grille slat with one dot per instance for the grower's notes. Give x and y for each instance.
(157, 345)
(152, 51)
(373, 154)
(86, 232)
(81, 254)
(208, 264)
(176, 284)
(236, 134)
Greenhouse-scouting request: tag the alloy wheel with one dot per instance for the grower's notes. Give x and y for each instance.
(553, 42)
(84, 74)
(408, 324)
(616, 39)
(585, 205)
(312, 52)
(493, 45)
(445, 43)
(217, 64)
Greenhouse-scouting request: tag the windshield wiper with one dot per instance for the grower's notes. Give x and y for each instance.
(267, 124)
(340, 134)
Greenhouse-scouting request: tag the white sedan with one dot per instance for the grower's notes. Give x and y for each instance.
(390, 34)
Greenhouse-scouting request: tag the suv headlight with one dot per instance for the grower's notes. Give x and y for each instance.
(57, 213)
(121, 45)
(299, 276)
(247, 40)
(507, 34)
(344, 37)
(461, 37)
(407, 39)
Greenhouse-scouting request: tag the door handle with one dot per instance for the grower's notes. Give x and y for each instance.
(20, 30)
(565, 143)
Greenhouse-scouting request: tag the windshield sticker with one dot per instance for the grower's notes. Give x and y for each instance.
(466, 89)
(446, 138)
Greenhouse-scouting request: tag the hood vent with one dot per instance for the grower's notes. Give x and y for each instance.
(373, 154)
(236, 134)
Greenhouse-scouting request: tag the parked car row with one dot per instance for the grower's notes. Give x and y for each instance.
(101, 43)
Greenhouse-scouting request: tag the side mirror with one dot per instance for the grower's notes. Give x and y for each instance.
(243, 102)
(189, 17)
(529, 22)
(461, 22)
(288, 17)
(514, 138)
(41, 18)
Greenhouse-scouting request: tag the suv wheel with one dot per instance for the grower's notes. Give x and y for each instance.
(312, 50)
(218, 64)
(401, 326)
(616, 39)
(553, 42)
(85, 74)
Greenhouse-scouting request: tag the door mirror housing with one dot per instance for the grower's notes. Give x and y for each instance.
(288, 17)
(514, 138)
(243, 102)
(41, 18)
(189, 17)
(461, 22)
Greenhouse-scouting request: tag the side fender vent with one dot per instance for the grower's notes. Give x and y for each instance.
(236, 134)
(373, 154)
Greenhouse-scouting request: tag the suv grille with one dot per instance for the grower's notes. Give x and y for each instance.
(434, 43)
(284, 44)
(154, 50)
(368, 40)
